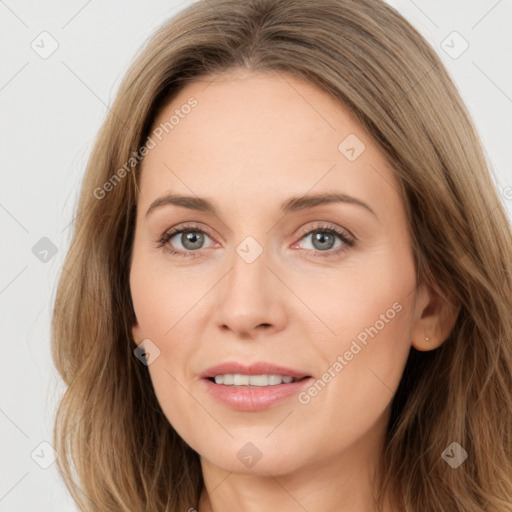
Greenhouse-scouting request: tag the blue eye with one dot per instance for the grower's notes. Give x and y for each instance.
(323, 239)
(193, 237)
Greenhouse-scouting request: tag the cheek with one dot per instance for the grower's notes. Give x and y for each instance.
(166, 308)
(363, 366)
(372, 291)
(161, 304)
(165, 311)
(160, 296)
(368, 311)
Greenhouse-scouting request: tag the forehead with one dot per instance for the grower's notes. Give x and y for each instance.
(268, 134)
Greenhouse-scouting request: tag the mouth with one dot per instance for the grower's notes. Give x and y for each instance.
(260, 374)
(253, 381)
(253, 387)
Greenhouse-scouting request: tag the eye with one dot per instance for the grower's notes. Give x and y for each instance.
(323, 240)
(190, 237)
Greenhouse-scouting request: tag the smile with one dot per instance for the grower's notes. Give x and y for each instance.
(237, 379)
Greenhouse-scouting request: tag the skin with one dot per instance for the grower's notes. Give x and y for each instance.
(254, 140)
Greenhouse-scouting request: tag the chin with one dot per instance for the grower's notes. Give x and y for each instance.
(259, 457)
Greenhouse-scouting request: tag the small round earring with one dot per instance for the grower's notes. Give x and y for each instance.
(427, 339)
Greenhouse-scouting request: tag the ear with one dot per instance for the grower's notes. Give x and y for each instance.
(435, 317)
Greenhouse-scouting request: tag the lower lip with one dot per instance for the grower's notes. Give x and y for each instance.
(254, 399)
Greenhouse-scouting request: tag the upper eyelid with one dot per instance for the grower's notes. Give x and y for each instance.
(328, 226)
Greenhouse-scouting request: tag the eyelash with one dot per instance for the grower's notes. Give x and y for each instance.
(348, 241)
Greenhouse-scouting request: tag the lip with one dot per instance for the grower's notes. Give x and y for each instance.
(253, 398)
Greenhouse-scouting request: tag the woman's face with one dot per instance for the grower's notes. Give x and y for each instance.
(296, 262)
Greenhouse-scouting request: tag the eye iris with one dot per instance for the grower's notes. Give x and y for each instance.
(321, 236)
(192, 237)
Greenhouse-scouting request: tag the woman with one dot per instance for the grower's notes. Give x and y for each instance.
(289, 281)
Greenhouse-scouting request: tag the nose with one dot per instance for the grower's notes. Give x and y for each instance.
(251, 299)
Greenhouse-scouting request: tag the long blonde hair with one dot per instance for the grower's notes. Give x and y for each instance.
(117, 451)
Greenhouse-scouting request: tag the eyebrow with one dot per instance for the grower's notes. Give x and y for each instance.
(292, 204)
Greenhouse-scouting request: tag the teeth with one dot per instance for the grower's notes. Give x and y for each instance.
(252, 380)
(240, 380)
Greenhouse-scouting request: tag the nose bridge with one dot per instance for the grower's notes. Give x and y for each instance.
(248, 278)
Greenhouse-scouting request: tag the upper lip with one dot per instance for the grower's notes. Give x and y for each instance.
(259, 368)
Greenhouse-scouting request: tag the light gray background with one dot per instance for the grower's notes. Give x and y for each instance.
(51, 110)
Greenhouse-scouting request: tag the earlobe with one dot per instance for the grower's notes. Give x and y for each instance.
(436, 317)
(427, 343)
